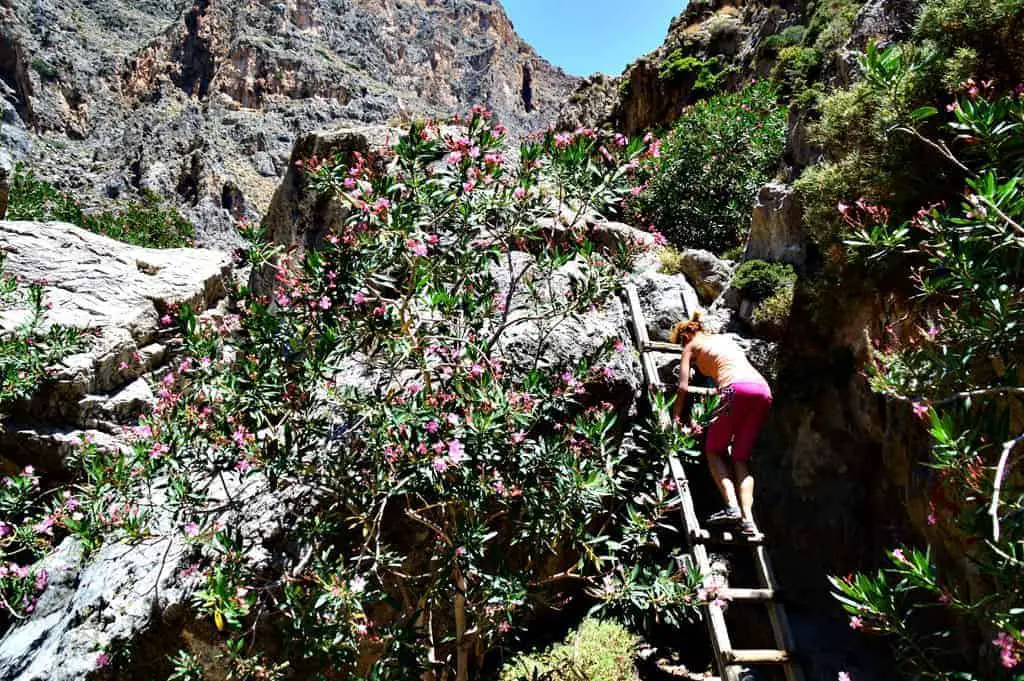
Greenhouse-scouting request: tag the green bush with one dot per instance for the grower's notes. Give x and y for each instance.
(716, 157)
(758, 280)
(772, 313)
(143, 223)
(787, 37)
(597, 651)
(707, 74)
(797, 68)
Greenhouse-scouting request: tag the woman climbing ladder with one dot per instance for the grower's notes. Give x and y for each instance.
(746, 399)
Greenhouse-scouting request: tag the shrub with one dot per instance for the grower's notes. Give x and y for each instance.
(671, 261)
(758, 280)
(45, 69)
(707, 74)
(146, 223)
(596, 651)
(956, 365)
(797, 68)
(455, 488)
(787, 37)
(716, 157)
(772, 314)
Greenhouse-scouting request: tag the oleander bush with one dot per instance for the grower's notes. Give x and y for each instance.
(452, 493)
(957, 366)
(148, 222)
(712, 163)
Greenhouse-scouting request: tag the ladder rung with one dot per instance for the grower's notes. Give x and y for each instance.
(659, 346)
(757, 656)
(731, 594)
(702, 536)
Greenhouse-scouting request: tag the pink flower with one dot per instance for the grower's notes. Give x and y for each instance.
(158, 450)
(1010, 651)
(898, 555)
(843, 676)
(359, 298)
(856, 623)
(416, 247)
(166, 320)
(192, 530)
(102, 660)
(283, 300)
(241, 436)
(325, 303)
(519, 193)
(243, 466)
(413, 388)
(42, 579)
(357, 585)
(456, 452)
(518, 438)
(921, 410)
(6, 530)
(620, 346)
(476, 371)
(432, 426)
(469, 186)
(440, 464)
(143, 431)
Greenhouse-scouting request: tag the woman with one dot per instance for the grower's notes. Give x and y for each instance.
(746, 399)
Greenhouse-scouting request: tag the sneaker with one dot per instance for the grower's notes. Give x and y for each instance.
(728, 516)
(749, 529)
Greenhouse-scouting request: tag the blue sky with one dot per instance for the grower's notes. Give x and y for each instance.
(585, 36)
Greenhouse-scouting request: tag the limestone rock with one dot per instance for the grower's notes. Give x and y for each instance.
(883, 21)
(558, 343)
(119, 293)
(300, 218)
(191, 100)
(776, 230)
(708, 275)
(662, 298)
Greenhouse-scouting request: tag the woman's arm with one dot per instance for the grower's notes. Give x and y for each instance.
(684, 382)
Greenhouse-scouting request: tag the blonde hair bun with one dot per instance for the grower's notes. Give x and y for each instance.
(683, 332)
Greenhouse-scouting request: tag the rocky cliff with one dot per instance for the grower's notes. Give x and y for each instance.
(202, 101)
(711, 45)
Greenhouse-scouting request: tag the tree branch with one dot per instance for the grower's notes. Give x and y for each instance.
(1000, 474)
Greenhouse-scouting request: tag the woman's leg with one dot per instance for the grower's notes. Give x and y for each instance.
(746, 481)
(752, 402)
(720, 434)
(722, 474)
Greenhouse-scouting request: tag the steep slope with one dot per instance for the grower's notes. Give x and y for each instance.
(711, 45)
(202, 101)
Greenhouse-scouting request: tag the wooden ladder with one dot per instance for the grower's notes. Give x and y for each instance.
(729, 661)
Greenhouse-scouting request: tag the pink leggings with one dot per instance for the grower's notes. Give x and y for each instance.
(738, 420)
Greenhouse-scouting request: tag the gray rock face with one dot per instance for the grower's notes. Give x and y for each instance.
(117, 291)
(776, 231)
(300, 218)
(559, 342)
(883, 21)
(662, 298)
(201, 102)
(709, 275)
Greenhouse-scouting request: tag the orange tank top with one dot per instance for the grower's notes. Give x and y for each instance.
(721, 360)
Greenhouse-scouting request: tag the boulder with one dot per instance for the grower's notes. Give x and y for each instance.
(299, 218)
(708, 275)
(776, 231)
(663, 300)
(118, 293)
(138, 594)
(558, 342)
